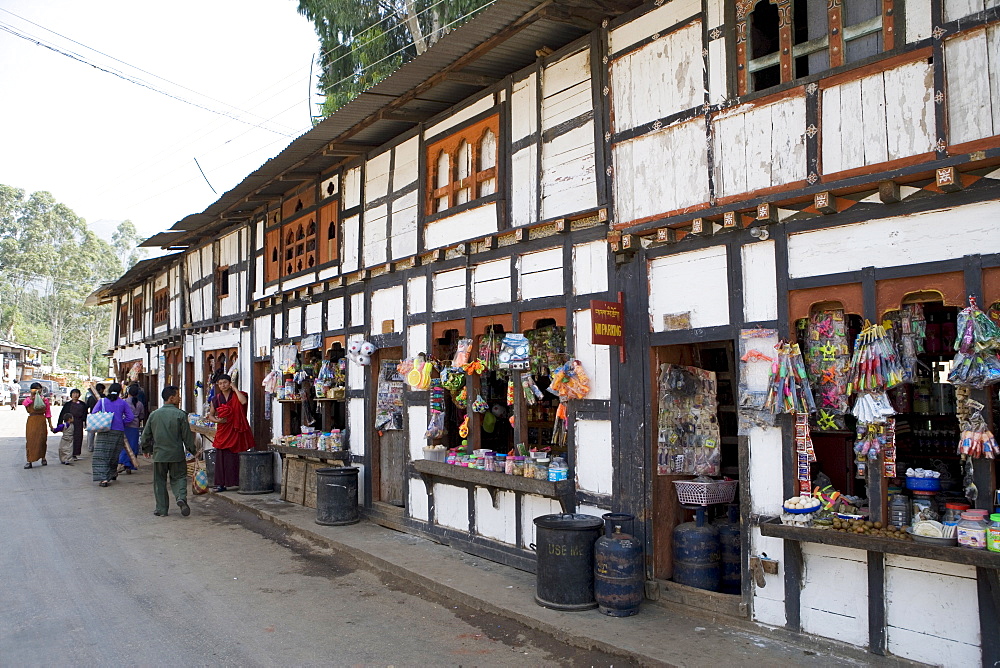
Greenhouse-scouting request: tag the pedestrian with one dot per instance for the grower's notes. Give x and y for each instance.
(94, 394)
(229, 412)
(78, 410)
(67, 425)
(166, 437)
(35, 435)
(15, 389)
(108, 444)
(132, 429)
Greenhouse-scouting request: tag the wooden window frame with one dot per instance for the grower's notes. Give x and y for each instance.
(473, 136)
(295, 239)
(222, 279)
(137, 313)
(835, 41)
(161, 306)
(123, 319)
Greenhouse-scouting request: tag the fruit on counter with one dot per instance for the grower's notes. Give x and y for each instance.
(801, 503)
(869, 529)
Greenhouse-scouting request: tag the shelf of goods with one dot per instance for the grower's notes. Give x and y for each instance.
(955, 555)
(298, 480)
(562, 490)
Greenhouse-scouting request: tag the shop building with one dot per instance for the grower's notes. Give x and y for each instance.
(733, 174)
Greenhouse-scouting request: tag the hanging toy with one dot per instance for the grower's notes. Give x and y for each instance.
(452, 378)
(510, 393)
(514, 352)
(437, 396)
(874, 366)
(462, 398)
(462, 353)
(463, 429)
(976, 364)
(480, 405)
(474, 367)
(435, 428)
(976, 440)
(789, 390)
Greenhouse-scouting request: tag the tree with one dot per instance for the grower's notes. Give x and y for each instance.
(126, 242)
(363, 42)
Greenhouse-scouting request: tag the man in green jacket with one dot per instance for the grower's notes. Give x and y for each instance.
(166, 436)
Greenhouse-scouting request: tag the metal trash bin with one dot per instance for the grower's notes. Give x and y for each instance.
(564, 573)
(337, 496)
(256, 472)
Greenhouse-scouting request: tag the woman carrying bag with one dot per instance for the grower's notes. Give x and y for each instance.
(35, 436)
(108, 420)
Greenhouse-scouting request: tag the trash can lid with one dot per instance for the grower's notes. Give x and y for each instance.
(569, 521)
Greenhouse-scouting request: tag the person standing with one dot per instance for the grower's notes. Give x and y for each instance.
(108, 444)
(132, 429)
(78, 410)
(166, 437)
(94, 394)
(67, 425)
(15, 390)
(35, 435)
(233, 436)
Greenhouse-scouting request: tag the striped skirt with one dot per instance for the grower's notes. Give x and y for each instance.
(107, 448)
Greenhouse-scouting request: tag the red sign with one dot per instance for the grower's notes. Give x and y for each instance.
(608, 323)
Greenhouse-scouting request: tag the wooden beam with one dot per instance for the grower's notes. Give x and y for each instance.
(257, 197)
(471, 79)
(405, 116)
(348, 149)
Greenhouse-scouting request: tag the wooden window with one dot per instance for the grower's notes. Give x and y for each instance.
(272, 256)
(463, 167)
(778, 41)
(328, 233)
(222, 282)
(136, 313)
(161, 306)
(123, 319)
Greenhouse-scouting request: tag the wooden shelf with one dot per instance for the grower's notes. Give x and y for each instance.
(204, 431)
(955, 555)
(329, 399)
(324, 455)
(563, 490)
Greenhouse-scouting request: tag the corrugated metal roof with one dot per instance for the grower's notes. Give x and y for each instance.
(519, 28)
(138, 273)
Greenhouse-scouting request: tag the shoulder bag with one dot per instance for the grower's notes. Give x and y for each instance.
(101, 420)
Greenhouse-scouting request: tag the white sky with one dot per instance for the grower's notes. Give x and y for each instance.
(112, 150)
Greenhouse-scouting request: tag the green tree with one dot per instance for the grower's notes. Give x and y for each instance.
(363, 42)
(125, 241)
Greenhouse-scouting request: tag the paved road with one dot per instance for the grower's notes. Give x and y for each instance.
(90, 577)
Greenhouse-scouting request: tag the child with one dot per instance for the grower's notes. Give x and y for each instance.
(66, 443)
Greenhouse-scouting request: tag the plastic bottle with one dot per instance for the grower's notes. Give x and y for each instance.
(993, 533)
(557, 469)
(972, 531)
(899, 511)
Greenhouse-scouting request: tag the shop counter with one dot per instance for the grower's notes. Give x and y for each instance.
(309, 453)
(493, 481)
(956, 555)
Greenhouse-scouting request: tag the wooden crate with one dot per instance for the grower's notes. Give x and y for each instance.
(293, 487)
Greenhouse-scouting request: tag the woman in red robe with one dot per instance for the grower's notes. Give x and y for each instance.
(233, 436)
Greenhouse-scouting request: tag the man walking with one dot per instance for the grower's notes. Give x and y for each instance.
(167, 435)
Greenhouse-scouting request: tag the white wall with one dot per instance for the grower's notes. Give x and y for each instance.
(670, 279)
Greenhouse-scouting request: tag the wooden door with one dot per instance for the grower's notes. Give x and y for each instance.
(189, 405)
(261, 406)
(389, 440)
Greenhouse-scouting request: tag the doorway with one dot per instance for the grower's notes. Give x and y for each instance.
(388, 435)
(262, 432)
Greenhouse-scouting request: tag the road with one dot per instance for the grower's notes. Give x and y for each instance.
(90, 577)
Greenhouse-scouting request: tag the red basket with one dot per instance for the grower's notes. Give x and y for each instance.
(695, 493)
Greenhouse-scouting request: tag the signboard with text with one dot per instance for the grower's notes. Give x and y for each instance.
(607, 323)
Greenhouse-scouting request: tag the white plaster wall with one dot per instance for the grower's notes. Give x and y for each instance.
(352, 188)
(541, 274)
(593, 459)
(356, 420)
(468, 112)
(835, 593)
(449, 289)
(590, 267)
(335, 313)
(760, 286)
(262, 335)
(405, 171)
(471, 224)
(765, 484)
(769, 600)
(350, 243)
(375, 233)
(387, 304)
(417, 294)
(294, 316)
(596, 359)
(416, 340)
(532, 507)
(491, 282)
(357, 309)
(404, 226)
(670, 278)
(314, 319)
(946, 630)
(417, 423)
(918, 20)
(524, 179)
(499, 523)
(377, 177)
(523, 105)
(451, 506)
(416, 505)
(941, 234)
(658, 20)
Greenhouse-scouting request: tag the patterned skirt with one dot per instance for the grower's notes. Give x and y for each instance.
(107, 448)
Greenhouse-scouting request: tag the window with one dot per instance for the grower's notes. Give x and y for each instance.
(463, 167)
(222, 282)
(161, 306)
(123, 319)
(782, 40)
(136, 313)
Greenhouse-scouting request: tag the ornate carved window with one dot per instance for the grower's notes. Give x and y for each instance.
(462, 168)
(778, 41)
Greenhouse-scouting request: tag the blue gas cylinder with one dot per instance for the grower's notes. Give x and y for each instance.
(697, 554)
(618, 568)
(729, 540)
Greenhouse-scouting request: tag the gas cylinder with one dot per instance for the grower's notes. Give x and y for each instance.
(697, 554)
(729, 540)
(618, 576)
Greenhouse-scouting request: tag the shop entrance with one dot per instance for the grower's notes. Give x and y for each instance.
(388, 437)
(262, 431)
(690, 438)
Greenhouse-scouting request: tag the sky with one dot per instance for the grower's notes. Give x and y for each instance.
(113, 150)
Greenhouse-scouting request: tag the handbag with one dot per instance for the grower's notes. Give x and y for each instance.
(39, 402)
(100, 421)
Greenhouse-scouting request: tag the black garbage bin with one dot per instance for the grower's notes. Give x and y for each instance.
(564, 545)
(337, 496)
(256, 472)
(210, 464)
